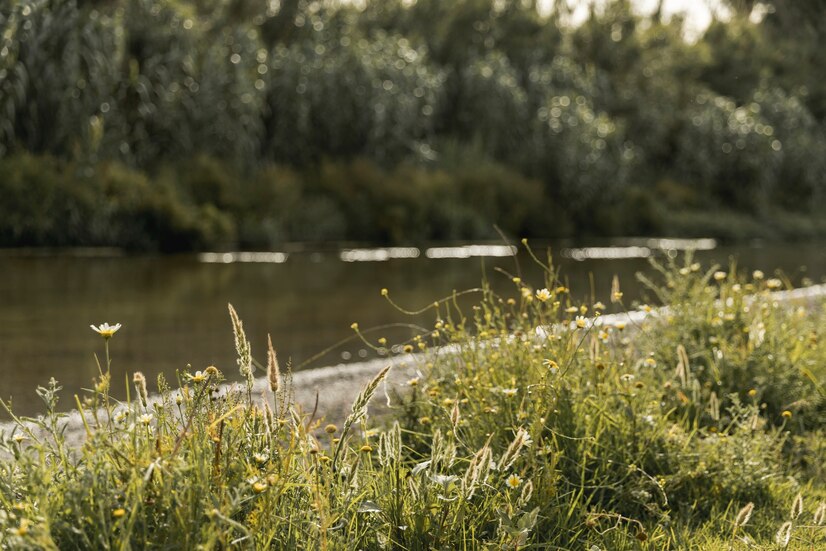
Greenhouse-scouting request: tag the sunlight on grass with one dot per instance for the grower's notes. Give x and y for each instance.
(537, 421)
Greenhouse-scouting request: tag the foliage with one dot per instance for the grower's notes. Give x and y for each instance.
(48, 203)
(534, 428)
(600, 114)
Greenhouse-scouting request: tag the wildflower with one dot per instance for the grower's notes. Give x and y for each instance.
(384, 292)
(786, 414)
(651, 362)
(259, 487)
(408, 348)
(413, 382)
(382, 341)
(119, 513)
(758, 275)
(424, 420)
(18, 438)
(23, 529)
(543, 295)
(198, 377)
(752, 393)
(324, 458)
(260, 458)
(354, 326)
(580, 322)
(367, 448)
(517, 280)
(145, 418)
(646, 308)
(212, 371)
(510, 392)
(571, 310)
(720, 276)
(513, 481)
(330, 429)
(774, 284)
(105, 330)
(599, 306)
(561, 290)
(620, 325)
(551, 365)
(627, 377)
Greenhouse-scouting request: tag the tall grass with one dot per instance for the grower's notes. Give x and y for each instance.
(541, 426)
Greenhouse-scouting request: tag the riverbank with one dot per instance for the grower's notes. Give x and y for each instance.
(698, 425)
(327, 393)
(203, 205)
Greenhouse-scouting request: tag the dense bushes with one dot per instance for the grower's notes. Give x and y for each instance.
(600, 114)
(201, 203)
(47, 202)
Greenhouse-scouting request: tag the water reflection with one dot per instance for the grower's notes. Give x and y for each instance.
(174, 312)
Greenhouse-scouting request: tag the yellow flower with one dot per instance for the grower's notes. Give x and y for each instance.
(786, 414)
(408, 348)
(259, 487)
(424, 420)
(513, 481)
(413, 382)
(330, 429)
(367, 448)
(385, 292)
(650, 362)
(720, 276)
(105, 330)
(752, 393)
(620, 325)
(543, 295)
(774, 283)
(580, 322)
(354, 326)
(198, 377)
(118, 513)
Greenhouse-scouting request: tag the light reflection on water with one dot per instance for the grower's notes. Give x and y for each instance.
(174, 312)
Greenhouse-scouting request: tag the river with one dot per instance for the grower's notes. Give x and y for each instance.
(174, 308)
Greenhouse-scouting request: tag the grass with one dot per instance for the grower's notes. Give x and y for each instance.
(700, 427)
